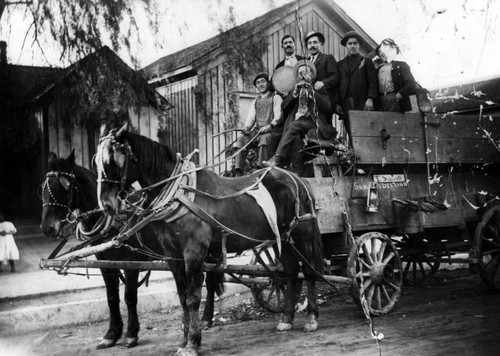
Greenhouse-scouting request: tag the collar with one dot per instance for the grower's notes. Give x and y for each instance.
(264, 96)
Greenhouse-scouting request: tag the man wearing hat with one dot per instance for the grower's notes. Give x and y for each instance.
(358, 88)
(326, 65)
(307, 109)
(264, 120)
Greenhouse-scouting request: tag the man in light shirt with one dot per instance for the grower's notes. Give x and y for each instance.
(264, 120)
(288, 45)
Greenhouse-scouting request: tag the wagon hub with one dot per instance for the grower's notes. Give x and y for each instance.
(381, 272)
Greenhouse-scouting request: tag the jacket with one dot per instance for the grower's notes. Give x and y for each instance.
(404, 83)
(363, 79)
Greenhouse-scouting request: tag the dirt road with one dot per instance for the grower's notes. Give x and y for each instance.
(453, 315)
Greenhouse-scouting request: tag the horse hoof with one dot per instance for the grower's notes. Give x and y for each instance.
(283, 327)
(206, 324)
(106, 344)
(132, 342)
(186, 351)
(311, 326)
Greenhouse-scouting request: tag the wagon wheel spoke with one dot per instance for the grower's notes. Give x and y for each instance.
(378, 299)
(489, 241)
(365, 264)
(493, 264)
(373, 245)
(367, 255)
(422, 269)
(366, 284)
(386, 294)
(389, 257)
(369, 294)
(381, 252)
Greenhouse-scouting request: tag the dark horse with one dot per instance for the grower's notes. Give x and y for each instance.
(124, 158)
(67, 187)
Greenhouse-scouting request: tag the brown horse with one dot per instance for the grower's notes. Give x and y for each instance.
(221, 216)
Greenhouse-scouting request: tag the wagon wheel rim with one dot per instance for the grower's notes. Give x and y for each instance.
(487, 241)
(271, 296)
(418, 266)
(376, 270)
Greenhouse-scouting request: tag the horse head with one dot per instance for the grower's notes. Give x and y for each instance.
(124, 158)
(116, 168)
(60, 195)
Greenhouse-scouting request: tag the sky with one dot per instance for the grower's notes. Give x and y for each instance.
(444, 41)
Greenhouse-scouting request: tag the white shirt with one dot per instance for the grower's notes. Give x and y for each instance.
(291, 60)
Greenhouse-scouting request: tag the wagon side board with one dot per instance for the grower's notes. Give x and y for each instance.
(446, 138)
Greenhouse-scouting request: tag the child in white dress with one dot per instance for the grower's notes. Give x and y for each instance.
(8, 248)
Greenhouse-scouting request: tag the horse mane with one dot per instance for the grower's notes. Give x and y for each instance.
(152, 156)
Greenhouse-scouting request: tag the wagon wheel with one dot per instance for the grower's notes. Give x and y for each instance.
(375, 268)
(487, 241)
(271, 296)
(419, 263)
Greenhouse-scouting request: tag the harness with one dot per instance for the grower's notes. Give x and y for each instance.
(52, 201)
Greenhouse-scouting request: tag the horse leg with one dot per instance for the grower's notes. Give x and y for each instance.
(291, 267)
(215, 284)
(312, 305)
(208, 313)
(177, 269)
(133, 327)
(115, 329)
(194, 278)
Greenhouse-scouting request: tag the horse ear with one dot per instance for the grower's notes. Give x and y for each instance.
(122, 129)
(52, 156)
(104, 130)
(71, 157)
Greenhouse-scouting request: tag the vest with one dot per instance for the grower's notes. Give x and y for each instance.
(264, 112)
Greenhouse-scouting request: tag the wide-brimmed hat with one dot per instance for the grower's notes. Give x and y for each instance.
(314, 33)
(351, 34)
(304, 62)
(260, 75)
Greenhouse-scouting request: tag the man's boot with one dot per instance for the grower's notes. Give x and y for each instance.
(279, 161)
(263, 152)
(239, 163)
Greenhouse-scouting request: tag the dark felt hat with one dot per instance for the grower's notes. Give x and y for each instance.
(260, 75)
(351, 34)
(314, 33)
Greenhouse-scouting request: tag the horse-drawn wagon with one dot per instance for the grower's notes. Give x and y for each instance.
(409, 187)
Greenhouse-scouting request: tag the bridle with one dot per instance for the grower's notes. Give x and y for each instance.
(52, 200)
(129, 154)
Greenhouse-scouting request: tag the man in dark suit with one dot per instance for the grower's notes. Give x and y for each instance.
(358, 80)
(326, 66)
(288, 45)
(306, 108)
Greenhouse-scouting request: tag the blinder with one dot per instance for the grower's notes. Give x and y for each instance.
(67, 181)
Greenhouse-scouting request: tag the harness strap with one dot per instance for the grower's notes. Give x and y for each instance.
(203, 215)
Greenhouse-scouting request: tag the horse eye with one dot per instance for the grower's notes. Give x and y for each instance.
(64, 182)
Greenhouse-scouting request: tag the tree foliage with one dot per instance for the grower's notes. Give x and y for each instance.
(80, 27)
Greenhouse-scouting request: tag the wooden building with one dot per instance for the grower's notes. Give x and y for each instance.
(210, 96)
(58, 110)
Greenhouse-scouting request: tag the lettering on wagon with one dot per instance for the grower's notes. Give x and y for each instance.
(390, 185)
